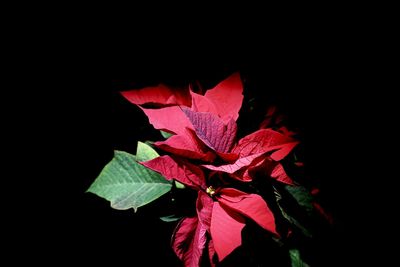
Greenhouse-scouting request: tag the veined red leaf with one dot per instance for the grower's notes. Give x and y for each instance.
(201, 103)
(265, 140)
(227, 97)
(187, 146)
(160, 94)
(169, 119)
(283, 151)
(226, 230)
(184, 172)
(183, 235)
(212, 130)
(268, 168)
(237, 165)
(249, 205)
(204, 205)
(189, 241)
(190, 237)
(211, 252)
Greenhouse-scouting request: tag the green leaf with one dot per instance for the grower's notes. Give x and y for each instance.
(179, 185)
(145, 152)
(290, 218)
(127, 184)
(302, 196)
(165, 134)
(296, 259)
(170, 218)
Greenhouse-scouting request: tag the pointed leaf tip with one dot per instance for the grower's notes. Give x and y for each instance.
(127, 184)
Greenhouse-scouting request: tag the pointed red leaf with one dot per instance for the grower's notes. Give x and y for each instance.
(190, 237)
(201, 103)
(279, 173)
(226, 230)
(204, 207)
(283, 151)
(265, 140)
(321, 211)
(188, 146)
(268, 169)
(184, 172)
(189, 241)
(237, 165)
(212, 130)
(228, 157)
(160, 94)
(227, 97)
(250, 205)
(211, 252)
(183, 235)
(170, 119)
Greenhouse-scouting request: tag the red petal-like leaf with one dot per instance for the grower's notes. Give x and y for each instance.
(265, 140)
(188, 146)
(180, 170)
(204, 206)
(237, 165)
(190, 237)
(226, 230)
(267, 168)
(228, 157)
(170, 119)
(249, 205)
(279, 173)
(321, 211)
(283, 151)
(201, 103)
(211, 252)
(160, 94)
(189, 241)
(212, 130)
(227, 97)
(183, 235)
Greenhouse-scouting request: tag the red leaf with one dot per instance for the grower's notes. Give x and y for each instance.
(321, 211)
(227, 97)
(265, 140)
(187, 146)
(269, 169)
(190, 237)
(226, 228)
(237, 165)
(279, 173)
(160, 94)
(201, 103)
(189, 241)
(182, 171)
(283, 151)
(170, 119)
(211, 252)
(249, 205)
(204, 207)
(212, 130)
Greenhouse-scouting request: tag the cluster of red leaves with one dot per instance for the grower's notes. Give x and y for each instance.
(204, 154)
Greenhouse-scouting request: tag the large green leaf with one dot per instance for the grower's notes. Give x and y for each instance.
(288, 217)
(145, 152)
(127, 184)
(296, 259)
(302, 196)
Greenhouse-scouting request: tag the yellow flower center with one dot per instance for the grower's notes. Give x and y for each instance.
(211, 191)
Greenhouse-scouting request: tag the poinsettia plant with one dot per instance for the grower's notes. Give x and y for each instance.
(239, 181)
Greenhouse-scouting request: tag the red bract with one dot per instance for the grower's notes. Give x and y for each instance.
(204, 128)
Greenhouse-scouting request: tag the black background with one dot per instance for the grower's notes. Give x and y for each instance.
(77, 118)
